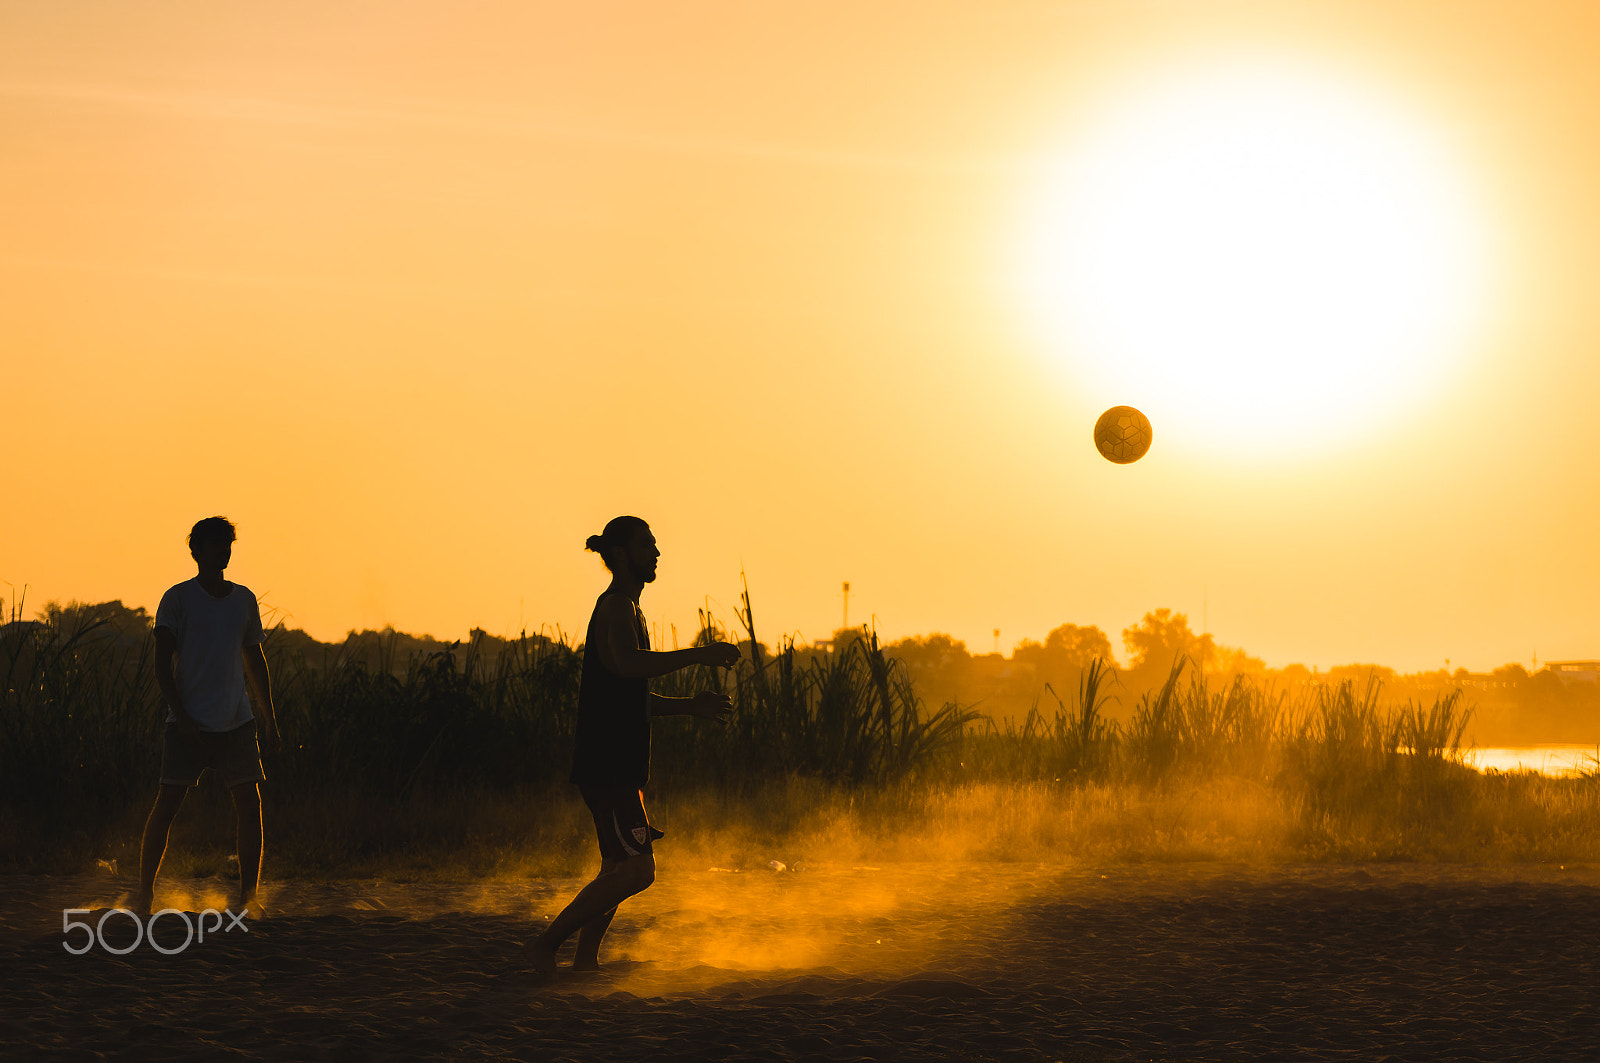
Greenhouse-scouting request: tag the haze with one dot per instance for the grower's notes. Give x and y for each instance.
(421, 295)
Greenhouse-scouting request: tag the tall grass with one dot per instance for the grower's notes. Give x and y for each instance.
(850, 716)
(456, 717)
(77, 709)
(385, 755)
(1369, 776)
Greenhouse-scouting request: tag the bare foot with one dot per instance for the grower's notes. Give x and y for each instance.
(585, 963)
(540, 958)
(141, 902)
(252, 909)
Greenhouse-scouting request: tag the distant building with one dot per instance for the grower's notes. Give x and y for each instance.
(1574, 671)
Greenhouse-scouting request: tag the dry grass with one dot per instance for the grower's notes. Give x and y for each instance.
(452, 765)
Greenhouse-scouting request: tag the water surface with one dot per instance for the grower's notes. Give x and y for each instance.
(1553, 760)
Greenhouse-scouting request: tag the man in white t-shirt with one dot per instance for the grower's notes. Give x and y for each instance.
(213, 630)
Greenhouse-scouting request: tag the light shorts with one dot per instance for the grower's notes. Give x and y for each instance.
(233, 755)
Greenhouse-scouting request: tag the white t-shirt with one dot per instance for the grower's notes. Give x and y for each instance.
(211, 634)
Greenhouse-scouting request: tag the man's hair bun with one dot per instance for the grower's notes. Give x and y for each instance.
(610, 543)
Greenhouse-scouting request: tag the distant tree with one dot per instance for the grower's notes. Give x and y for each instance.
(941, 668)
(1511, 674)
(1076, 646)
(927, 652)
(1062, 656)
(1360, 673)
(108, 620)
(285, 644)
(846, 635)
(1293, 674)
(1158, 640)
(1547, 682)
(1231, 660)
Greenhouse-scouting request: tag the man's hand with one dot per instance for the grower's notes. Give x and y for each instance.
(271, 741)
(719, 655)
(710, 705)
(184, 722)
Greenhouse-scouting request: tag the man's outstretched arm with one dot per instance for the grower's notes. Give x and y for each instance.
(628, 658)
(707, 705)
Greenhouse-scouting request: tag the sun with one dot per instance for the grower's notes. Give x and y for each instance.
(1262, 258)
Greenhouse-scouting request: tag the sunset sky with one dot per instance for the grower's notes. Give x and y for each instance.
(420, 295)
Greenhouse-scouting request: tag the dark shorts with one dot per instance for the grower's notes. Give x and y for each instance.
(619, 821)
(233, 755)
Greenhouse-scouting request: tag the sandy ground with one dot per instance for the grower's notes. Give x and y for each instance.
(929, 962)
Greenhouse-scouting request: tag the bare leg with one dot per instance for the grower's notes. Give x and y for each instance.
(247, 807)
(595, 902)
(589, 935)
(154, 846)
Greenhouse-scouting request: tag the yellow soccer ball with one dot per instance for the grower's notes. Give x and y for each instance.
(1122, 434)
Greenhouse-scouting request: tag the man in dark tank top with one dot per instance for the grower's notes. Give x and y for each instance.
(613, 739)
(611, 758)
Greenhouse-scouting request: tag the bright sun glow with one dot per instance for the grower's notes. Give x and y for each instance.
(1260, 259)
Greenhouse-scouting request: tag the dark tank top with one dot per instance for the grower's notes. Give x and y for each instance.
(613, 735)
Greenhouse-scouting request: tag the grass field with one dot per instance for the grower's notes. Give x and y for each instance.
(452, 763)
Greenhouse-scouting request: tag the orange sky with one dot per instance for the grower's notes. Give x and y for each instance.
(421, 294)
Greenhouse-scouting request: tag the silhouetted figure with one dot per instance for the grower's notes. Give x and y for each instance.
(611, 759)
(213, 628)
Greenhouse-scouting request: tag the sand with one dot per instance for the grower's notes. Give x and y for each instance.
(922, 962)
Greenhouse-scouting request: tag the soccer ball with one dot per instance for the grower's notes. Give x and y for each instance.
(1122, 434)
